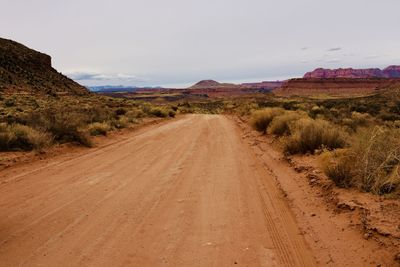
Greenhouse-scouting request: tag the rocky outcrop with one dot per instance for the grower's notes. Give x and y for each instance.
(23, 70)
(392, 71)
(389, 72)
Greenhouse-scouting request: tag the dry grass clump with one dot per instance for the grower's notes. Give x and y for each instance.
(260, 119)
(245, 109)
(338, 165)
(280, 125)
(98, 128)
(135, 113)
(22, 137)
(357, 120)
(371, 163)
(307, 135)
(121, 122)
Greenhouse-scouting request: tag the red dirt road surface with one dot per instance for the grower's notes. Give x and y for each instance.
(185, 193)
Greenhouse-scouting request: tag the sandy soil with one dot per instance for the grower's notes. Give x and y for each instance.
(185, 193)
(343, 227)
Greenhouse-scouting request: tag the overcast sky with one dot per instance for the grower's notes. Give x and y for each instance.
(178, 42)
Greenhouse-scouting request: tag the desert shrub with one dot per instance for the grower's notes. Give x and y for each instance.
(9, 102)
(22, 137)
(186, 110)
(122, 122)
(158, 112)
(386, 116)
(146, 108)
(99, 128)
(396, 124)
(246, 108)
(120, 111)
(395, 108)
(135, 113)
(280, 125)
(315, 110)
(5, 137)
(290, 105)
(337, 165)
(260, 119)
(65, 124)
(357, 120)
(171, 113)
(360, 119)
(97, 113)
(309, 135)
(371, 163)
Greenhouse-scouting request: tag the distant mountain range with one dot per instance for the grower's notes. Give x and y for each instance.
(118, 88)
(112, 88)
(389, 72)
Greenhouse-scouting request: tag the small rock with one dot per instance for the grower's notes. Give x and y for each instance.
(313, 181)
(366, 236)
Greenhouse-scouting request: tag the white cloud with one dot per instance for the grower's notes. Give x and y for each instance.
(333, 60)
(334, 49)
(93, 76)
(373, 56)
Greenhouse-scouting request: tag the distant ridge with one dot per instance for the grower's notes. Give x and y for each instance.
(24, 70)
(112, 88)
(389, 72)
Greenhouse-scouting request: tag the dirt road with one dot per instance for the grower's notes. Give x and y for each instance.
(186, 193)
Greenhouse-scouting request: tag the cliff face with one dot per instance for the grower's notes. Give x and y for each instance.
(23, 70)
(392, 72)
(389, 72)
(333, 86)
